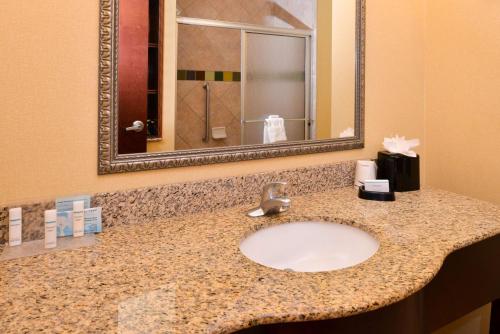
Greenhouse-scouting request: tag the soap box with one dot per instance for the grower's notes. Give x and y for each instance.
(93, 220)
(66, 204)
(64, 207)
(64, 223)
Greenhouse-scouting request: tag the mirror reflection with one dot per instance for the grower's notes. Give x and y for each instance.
(256, 72)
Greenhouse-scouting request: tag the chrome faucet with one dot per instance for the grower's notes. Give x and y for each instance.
(273, 200)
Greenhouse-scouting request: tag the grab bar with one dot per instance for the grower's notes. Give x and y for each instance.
(206, 138)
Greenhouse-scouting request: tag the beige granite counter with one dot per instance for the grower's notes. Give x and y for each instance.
(186, 275)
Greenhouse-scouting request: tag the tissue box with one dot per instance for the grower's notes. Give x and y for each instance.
(403, 172)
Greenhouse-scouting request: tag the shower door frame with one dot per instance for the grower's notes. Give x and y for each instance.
(309, 69)
(310, 65)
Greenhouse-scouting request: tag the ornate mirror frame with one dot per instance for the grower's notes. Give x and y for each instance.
(109, 161)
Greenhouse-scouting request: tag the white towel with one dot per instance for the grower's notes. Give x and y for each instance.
(347, 133)
(274, 129)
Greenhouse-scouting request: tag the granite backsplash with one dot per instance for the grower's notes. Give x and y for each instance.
(164, 201)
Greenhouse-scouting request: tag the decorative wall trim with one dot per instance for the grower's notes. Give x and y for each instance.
(165, 201)
(191, 75)
(110, 162)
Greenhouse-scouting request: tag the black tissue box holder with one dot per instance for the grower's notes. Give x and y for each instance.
(402, 172)
(376, 196)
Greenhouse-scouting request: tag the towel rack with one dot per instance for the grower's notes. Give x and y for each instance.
(286, 119)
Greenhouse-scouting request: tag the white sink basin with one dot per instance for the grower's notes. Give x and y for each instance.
(309, 246)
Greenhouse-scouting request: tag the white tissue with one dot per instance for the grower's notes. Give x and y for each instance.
(401, 145)
(347, 133)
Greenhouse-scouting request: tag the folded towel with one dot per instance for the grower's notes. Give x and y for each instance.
(274, 129)
(347, 133)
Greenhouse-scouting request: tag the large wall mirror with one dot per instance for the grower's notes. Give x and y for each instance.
(256, 79)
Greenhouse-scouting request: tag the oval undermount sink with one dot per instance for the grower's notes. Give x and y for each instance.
(309, 246)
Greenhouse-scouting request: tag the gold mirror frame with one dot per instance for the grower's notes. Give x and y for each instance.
(109, 161)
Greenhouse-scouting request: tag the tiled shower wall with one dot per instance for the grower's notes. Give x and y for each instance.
(208, 49)
(277, 13)
(294, 14)
(190, 118)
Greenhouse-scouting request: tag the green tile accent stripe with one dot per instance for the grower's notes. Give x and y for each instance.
(219, 76)
(209, 75)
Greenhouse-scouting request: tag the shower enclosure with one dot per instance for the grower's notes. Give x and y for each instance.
(253, 71)
(275, 81)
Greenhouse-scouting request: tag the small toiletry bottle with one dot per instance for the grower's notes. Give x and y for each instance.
(15, 226)
(50, 229)
(78, 218)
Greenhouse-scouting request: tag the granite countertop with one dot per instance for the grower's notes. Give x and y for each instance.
(186, 275)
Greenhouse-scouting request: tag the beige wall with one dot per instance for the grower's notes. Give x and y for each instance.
(48, 99)
(336, 67)
(167, 143)
(463, 109)
(343, 88)
(463, 97)
(324, 70)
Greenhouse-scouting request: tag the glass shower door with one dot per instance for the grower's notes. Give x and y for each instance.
(276, 81)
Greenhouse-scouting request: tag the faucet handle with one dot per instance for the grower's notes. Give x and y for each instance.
(273, 190)
(273, 200)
